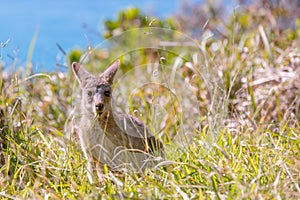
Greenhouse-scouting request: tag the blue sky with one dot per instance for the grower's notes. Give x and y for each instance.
(61, 22)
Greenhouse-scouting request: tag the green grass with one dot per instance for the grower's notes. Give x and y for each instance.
(39, 163)
(253, 164)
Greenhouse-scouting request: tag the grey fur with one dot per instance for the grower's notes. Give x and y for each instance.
(120, 141)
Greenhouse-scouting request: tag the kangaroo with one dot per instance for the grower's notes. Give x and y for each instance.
(118, 140)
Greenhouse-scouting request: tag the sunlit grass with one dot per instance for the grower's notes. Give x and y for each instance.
(257, 164)
(40, 163)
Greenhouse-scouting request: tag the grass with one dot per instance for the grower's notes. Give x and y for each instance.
(253, 154)
(252, 164)
(245, 162)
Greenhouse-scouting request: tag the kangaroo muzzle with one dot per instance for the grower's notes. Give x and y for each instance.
(99, 108)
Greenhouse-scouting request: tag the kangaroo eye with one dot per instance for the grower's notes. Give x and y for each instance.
(107, 93)
(90, 93)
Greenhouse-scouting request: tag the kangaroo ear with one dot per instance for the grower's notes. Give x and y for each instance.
(81, 74)
(111, 71)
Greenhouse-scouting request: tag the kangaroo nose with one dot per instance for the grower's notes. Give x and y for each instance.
(99, 107)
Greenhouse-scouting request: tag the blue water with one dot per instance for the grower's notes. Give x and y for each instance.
(61, 22)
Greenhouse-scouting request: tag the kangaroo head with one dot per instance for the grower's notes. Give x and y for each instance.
(96, 90)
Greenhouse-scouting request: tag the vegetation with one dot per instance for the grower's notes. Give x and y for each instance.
(246, 83)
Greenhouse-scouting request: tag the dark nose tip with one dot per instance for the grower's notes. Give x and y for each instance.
(99, 107)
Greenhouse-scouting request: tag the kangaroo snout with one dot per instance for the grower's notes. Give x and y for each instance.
(99, 107)
(99, 103)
